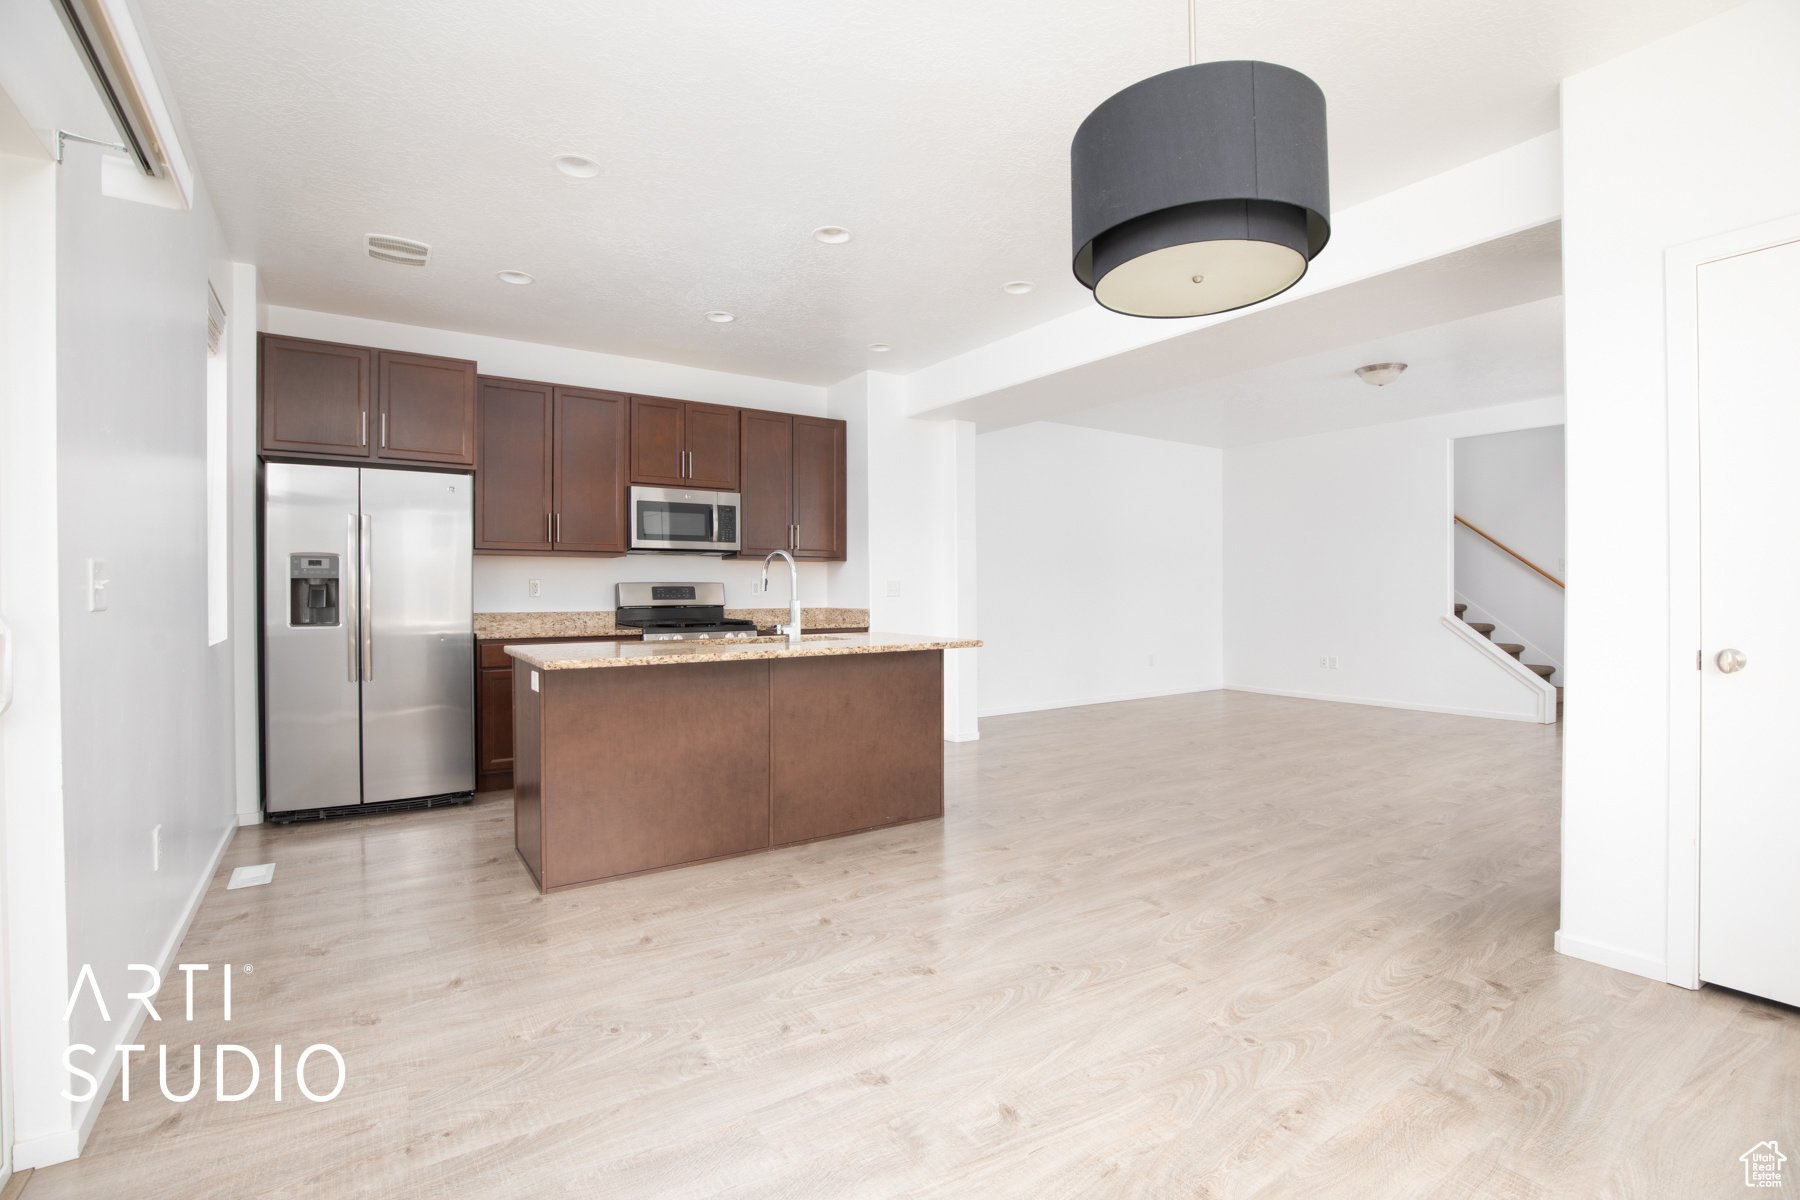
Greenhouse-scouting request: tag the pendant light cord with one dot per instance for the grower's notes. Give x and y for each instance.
(1193, 32)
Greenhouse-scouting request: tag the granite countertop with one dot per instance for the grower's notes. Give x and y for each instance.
(499, 626)
(582, 655)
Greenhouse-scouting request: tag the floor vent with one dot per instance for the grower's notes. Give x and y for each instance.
(404, 251)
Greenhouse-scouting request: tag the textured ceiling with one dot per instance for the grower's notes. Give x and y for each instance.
(1492, 358)
(937, 132)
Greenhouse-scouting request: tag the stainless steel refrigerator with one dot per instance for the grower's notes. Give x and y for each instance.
(368, 643)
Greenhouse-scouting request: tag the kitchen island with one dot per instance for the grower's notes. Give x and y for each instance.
(637, 756)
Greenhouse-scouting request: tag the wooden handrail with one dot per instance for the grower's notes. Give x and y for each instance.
(1547, 575)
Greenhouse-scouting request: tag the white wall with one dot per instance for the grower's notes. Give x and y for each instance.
(554, 364)
(1686, 138)
(585, 584)
(147, 703)
(36, 930)
(1510, 485)
(1338, 546)
(911, 528)
(1076, 609)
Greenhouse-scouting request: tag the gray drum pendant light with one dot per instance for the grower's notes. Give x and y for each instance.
(1201, 189)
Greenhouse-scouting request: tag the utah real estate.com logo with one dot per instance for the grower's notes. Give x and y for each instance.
(1762, 1165)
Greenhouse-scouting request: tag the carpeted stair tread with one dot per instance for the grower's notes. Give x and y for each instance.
(1484, 628)
(1512, 648)
(1544, 669)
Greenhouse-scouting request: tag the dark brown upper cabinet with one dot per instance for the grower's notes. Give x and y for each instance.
(819, 488)
(314, 397)
(427, 409)
(551, 474)
(322, 400)
(766, 476)
(514, 465)
(793, 483)
(592, 445)
(682, 444)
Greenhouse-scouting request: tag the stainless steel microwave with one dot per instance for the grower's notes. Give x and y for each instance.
(684, 519)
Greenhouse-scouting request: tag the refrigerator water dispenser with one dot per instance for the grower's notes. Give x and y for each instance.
(312, 589)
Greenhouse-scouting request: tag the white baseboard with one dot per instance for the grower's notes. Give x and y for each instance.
(1612, 956)
(1408, 705)
(46, 1151)
(1083, 701)
(255, 818)
(87, 1112)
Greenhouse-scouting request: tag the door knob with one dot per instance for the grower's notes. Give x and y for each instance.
(1732, 661)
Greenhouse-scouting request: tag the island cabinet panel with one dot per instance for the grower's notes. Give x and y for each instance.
(636, 775)
(657, 457)
(592, 451)
(427, 409)
(882, 717)
(314, 397)
(767, 477)
(819, 488)
(514, 465)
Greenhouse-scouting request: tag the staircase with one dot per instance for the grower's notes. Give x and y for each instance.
(1486, 630)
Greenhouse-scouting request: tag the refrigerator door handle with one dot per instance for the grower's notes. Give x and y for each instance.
(349, 606)
(365, 587)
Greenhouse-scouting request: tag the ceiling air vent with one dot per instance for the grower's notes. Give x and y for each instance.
(400, 250)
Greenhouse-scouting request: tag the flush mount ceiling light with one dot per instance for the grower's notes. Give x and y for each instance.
(404, 251)
(518, 277)
(720, 318)
(576, 166)
(1201, 189)
(1380, 374)
(880, 347)
(831, 235)
(1017, 287)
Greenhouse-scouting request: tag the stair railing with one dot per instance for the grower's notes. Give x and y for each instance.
(1547, 575)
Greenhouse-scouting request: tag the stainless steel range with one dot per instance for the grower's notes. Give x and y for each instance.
(672, 612)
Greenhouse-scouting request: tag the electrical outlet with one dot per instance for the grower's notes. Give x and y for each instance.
(156, 848)
(534, 588)
(1153, 660)
(893, 587)
(1323, 662)
(97, 582)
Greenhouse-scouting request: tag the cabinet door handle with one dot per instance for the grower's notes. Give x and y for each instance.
(362, 435)
(384, 431)
(558, 536)
(548, 535)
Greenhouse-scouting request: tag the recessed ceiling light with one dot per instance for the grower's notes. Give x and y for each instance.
(1380, 374)
(831, 235)
(1017, 287)
(576, 166)
(880, 347)
(719, 318)
(518, 277)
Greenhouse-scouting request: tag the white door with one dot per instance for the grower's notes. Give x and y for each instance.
(1749, 359)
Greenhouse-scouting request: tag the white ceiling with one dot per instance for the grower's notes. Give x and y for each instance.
(1491, 358)
(937, 132)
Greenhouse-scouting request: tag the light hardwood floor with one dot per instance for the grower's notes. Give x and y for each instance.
(1218, 945)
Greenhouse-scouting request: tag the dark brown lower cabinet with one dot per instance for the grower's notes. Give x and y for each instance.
(494, 709)
(614, 775)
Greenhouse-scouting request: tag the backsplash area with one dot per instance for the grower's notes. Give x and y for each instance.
(503, 581)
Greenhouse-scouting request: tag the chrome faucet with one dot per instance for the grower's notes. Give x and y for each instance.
(792, 628)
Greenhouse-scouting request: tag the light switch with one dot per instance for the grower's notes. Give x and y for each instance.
(893, 587)
(96, 583)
